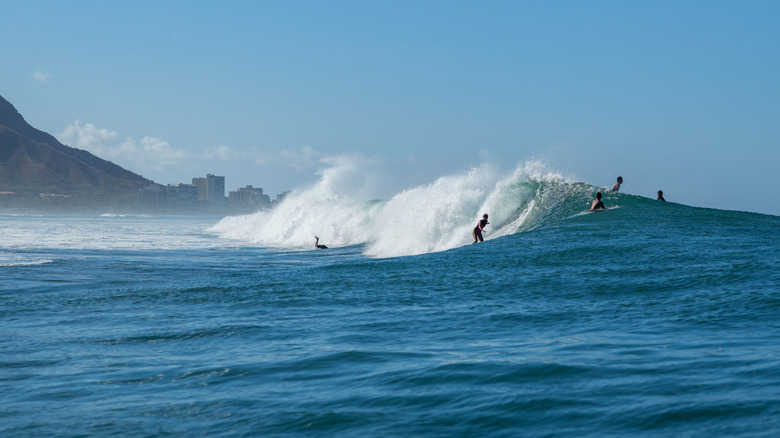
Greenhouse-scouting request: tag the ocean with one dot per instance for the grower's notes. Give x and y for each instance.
(650, 319)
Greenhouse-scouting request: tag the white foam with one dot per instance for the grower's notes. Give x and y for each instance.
(429, 218)
(331, 209)
(25, 233)
(6, 261)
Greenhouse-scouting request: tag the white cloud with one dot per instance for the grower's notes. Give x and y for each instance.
(153, 153)
(150, 153)
(303, 159)
(42, 76)
(156, 158)
(222, 153)
(156, 154)
(89, 137)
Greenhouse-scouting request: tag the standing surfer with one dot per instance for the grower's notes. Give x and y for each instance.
(616, 187)
(597, 204)
(477, 233)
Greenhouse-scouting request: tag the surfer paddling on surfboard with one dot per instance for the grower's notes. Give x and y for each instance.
(477, 233)
(317, 243)
(597, 204)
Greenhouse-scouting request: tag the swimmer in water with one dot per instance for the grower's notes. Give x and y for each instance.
(317, 244)
(477, 233)
(597, 204)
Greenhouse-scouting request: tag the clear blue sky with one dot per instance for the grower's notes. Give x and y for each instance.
(682, 96)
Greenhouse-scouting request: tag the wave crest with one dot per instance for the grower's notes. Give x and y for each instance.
(428, 218)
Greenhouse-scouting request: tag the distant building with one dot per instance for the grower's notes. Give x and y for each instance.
(151, 198)
(211, 191)
(279, 198)
(248, 199)
(203, 196)
(182, 198)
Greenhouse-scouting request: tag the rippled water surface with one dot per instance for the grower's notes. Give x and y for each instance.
(645, 320)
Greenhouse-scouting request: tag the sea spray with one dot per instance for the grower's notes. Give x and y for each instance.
(332, 209)
(431, 218)
(424, 219)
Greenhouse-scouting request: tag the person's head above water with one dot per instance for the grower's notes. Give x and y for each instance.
(598, 195)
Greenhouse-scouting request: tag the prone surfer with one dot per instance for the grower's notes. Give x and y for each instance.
(317, 244)
(597, 204)
(616, 187)
(477, 233)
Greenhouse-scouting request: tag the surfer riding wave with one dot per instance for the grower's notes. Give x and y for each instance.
(477, 233)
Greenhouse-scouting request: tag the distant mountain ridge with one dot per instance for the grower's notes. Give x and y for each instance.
(34, 162)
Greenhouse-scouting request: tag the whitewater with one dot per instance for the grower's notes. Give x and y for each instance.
(429, 218)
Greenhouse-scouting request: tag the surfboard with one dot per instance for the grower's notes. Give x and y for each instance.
(583, 213)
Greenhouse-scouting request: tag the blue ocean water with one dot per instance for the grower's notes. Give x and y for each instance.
(648, 319)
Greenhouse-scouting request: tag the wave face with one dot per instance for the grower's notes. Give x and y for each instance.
(429, 218)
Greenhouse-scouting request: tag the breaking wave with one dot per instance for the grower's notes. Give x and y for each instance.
(424, 219)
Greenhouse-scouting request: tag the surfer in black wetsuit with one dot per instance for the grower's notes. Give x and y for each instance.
(597, 204)
(477, 233)
(317, 244)
(660, 196)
